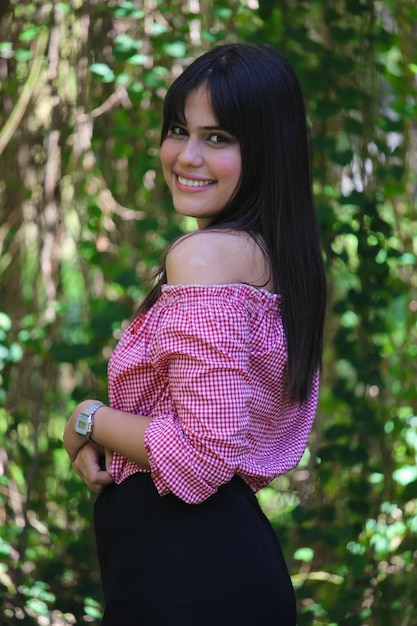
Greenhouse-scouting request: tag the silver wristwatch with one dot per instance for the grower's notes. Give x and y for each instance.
(84, 423)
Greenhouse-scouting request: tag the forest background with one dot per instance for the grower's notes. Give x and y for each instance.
(84, 216)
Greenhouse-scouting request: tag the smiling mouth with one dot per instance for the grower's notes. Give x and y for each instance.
(188, 182)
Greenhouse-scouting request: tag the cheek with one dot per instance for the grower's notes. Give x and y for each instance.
(230, 170)
(166, 156)
(229, 165)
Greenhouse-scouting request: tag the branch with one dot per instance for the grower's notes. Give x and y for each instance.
(19, 109)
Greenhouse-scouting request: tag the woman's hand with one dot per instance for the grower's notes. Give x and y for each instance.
(87, 455)
(89, 465)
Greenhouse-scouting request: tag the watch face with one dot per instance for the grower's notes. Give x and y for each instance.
(82, 423)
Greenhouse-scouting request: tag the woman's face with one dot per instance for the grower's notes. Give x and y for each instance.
(201, 162)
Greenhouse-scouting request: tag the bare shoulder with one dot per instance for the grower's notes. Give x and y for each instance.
(216, 257)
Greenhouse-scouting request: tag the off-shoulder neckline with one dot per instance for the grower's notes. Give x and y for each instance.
(240, 291)
(216, 287)
(240, 294)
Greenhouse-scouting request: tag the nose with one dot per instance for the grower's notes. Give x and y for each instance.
(191, 154)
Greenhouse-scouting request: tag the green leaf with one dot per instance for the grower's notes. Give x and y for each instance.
(102, 70)
(211, 37)
(29, 34)
(5, 548)
(22, 55)
(137, 59)
(223, 12)
(15, 353)
(155, 77)
(5, 321)
(64, 7)
(176, 49)
(129, 9)
(92, 608)
(304, 554)
(405, 475)
(158, 28)
(125, 46)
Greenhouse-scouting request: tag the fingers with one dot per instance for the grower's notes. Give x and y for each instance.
(87, 466)
(108, 456)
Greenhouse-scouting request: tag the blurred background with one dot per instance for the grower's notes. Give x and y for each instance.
(84, 216)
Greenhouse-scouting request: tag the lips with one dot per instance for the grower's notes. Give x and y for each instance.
(194, 183)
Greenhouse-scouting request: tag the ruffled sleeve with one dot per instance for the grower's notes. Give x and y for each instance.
(201, 348)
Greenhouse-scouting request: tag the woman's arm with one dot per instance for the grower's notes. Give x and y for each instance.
(113, 430)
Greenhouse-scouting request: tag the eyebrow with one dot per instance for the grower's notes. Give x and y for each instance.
(215, 127)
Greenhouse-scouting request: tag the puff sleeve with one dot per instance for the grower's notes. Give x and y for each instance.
(201, 349)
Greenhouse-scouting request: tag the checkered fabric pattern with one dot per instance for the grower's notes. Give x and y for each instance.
(207, 364)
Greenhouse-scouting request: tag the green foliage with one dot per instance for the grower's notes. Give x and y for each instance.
(85, 217)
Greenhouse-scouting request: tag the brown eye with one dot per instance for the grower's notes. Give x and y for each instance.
(218, 139)
(176, 131)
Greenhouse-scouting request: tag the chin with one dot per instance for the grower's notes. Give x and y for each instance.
(190, 213)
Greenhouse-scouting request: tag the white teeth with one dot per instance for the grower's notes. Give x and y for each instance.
(193, 183)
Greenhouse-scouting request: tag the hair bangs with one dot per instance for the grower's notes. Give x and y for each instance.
(220, 73)
(193, 77)
(225, 96)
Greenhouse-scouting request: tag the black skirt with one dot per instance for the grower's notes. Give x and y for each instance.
(167, 563)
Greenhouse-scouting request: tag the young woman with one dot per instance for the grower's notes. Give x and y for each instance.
(213, 387)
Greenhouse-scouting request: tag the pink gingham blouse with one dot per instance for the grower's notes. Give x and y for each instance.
(207, 363)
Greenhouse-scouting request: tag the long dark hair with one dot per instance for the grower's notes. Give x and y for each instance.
(256, 96)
